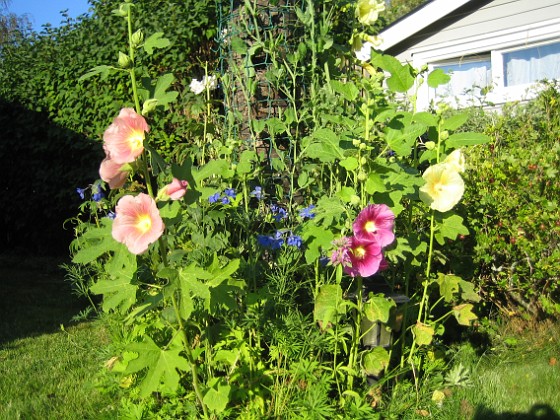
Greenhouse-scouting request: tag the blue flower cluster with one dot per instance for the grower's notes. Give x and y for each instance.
(257, 193)
(278, 212)
(97, 192)
(307, 213)
(225, 198)
(280, 238)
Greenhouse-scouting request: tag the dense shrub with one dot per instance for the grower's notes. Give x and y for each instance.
(513, 196)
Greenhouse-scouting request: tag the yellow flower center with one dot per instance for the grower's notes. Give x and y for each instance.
(136, 140)
(370, 227)
(359, 252)
(144, 223)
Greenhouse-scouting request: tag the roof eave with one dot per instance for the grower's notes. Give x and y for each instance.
(417, 20)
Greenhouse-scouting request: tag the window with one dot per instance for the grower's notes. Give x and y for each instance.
(532, 64)
(468, 76)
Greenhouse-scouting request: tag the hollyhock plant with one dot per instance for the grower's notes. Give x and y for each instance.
(174, 190)
(137, 223)
(375, 223)
(444, 187)
(365, 257)
(114, 174)
(124, 139)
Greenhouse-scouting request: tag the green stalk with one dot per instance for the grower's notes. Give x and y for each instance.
(353, 359)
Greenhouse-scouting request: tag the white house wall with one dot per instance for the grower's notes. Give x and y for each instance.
(498, 25)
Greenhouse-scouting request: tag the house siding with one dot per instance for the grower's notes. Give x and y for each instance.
(495, 16)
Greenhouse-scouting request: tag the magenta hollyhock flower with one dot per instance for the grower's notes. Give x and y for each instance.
(124, 138)
(174, 190)
(137, 223)
(113, 173)
(375, 223)
(365, 257)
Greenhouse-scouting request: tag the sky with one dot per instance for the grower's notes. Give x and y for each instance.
(40, 12)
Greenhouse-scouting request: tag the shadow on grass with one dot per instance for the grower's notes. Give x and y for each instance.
(537, 412)
(34, 298)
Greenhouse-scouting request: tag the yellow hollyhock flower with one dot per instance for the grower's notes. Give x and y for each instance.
(457, 160)
(444, 187)
(367, 11)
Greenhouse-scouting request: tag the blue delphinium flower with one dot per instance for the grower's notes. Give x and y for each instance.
(257, 193)
(278, 212)
(294, 240)
(271, 242)
(111, 215)
(225, 200)
(214, 198)
(229, 192)
(307, 212)
(81, 192)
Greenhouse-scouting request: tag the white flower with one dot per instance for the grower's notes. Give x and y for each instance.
(367, 11)
(456, 160)
(197, 87)
(444, 187)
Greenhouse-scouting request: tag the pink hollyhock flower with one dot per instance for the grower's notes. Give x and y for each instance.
(113, 173)
(366, 258)
(174, 191)
(375, 223)
(124, 139)
(137, 223)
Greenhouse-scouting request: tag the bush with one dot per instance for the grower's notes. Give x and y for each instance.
(513, 195)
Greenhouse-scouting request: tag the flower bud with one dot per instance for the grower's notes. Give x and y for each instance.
(362, 176)
(355, 200)
(363, 146)
(363, 160)
(356, 142)
(124, 61)
(430, 145)
(137, 38)
(149, 106)
(122, 11)
(444, 135)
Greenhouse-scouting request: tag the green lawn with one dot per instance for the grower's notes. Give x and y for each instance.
(47, 363)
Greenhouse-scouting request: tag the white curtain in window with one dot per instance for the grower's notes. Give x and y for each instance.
(466, 79)
(532, 64)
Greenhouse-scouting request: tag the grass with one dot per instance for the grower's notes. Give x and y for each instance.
(47, 363)
(517, 378)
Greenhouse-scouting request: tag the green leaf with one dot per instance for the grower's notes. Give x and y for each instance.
(162, 366)
(464, 314)
(346, 194)
(374, 184)
(224, 273)
(455, 121)
(401, 79)
(425, 118)
(325, 146)
(104, 71)
(467, 291)
(156, 40)
(350, 163)
(348, 90)
(449, 226)
(217, 398)
(329, 306)
(375, 361)
(316, 238)
(191, 287)
(423, 333)
(378, 308)
(448, 286)
(98, 241)
(466, 139)
(163, 97)
(401, 141)
(218, 167)
(246, 162)
(438, 77)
